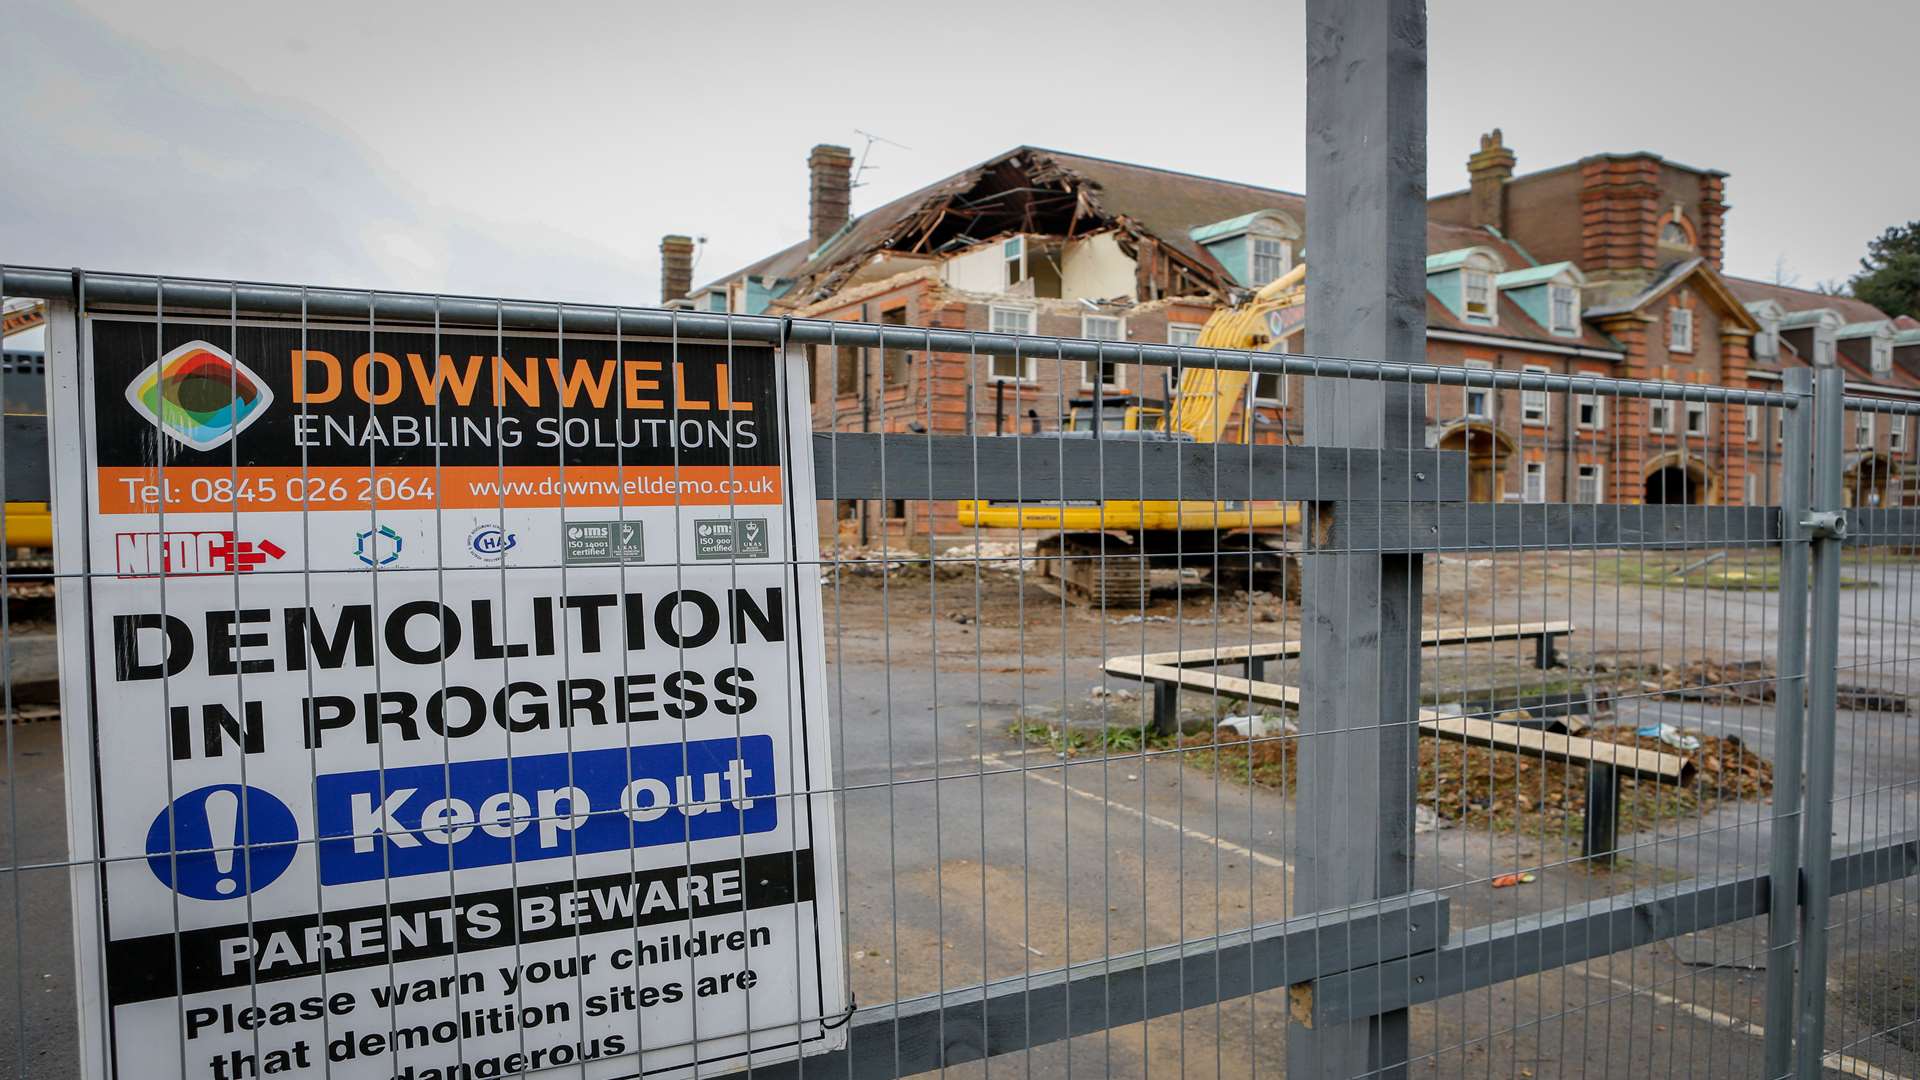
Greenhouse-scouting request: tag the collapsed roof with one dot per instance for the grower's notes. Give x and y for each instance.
(1039, 192)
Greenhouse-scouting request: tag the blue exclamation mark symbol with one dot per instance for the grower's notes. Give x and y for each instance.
(194, 845)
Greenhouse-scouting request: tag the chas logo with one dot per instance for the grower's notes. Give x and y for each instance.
(489, 542)
(190, 554)
(199, 395)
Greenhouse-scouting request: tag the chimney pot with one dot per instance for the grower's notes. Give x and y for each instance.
(1489, 169)
(830, 188)
(676, 267)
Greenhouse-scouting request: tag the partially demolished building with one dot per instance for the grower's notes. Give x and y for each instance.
(1609, 266)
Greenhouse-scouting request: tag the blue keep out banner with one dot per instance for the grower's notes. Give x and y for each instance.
(425, 819)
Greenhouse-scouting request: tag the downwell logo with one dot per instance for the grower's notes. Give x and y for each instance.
(190, 554)
(199, 395)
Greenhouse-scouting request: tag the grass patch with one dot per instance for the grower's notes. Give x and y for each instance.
(1756, 571)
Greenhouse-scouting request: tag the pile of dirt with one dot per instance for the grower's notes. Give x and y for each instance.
(1501, 790)
(1734, 682)
(1751, 682)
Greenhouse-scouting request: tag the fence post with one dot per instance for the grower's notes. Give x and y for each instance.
(1360, 614)
(1816, 845)
(1789, 706)
(1600, 830)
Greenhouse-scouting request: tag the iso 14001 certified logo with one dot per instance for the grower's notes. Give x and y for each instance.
(591, 543)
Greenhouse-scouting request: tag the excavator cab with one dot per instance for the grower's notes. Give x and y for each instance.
(1117, 412)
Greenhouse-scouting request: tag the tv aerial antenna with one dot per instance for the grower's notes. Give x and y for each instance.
(867, 151)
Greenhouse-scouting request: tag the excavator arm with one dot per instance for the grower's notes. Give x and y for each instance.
(1207, 396)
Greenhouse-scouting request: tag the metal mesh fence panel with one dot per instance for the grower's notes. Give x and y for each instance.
(495, 685)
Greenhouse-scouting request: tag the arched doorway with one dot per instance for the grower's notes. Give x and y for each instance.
(1868, 480)
(1678, 480)
(1487, 449)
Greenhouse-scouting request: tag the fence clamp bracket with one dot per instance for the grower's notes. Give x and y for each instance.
(1826, 525)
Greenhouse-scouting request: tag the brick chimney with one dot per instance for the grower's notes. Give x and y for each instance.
(1713, 216)
(676, 268)
(1489, 170)
(831, 188)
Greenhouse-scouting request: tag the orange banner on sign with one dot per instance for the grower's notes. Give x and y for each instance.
(202, 489)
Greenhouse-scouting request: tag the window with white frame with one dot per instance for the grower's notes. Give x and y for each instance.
(1013, 250)
(1882, 356)
(1183, 334)
(1660, 417)
(1103, 328)
(1754, 423)
(1589, 411)
(1696, 419)
(1766, 343)
(1534, 481)
(1271, 259)
(1270, 387)
(1478, 398)
(1565, 302)
(1478, 292)
(1897, 433)
(1756, 490)
(1011, 320)
(1533, 403)
(1863, 431)
(1586, 484)
(1822, 349)
(1680, 329)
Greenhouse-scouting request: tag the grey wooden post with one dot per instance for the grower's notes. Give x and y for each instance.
(1600, 833)
(1545, 656)
(1360, 668)
(1166, 707)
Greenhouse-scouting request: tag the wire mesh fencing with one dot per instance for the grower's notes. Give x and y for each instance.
(488, 686)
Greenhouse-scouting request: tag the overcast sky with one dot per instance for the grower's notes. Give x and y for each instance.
(541, 150)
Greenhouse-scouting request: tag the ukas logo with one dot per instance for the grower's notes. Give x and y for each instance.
(199, 395)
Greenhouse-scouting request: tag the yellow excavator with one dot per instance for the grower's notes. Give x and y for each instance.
(1103, 551)
(29, 525)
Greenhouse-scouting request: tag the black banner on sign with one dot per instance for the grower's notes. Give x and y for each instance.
(319, 396)
(271, 950)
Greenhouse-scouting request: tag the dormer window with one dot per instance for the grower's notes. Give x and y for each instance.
(1549, 294)
(1883, 356)
(1469, 282)
(1566, 309)
(1766, 343)
(1255, 248)
(1673, 235)
(1478, 286)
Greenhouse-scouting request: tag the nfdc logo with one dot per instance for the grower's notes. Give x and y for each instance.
(190, 554)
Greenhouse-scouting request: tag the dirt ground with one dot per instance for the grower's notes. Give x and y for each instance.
(952, 677)
(977, 848)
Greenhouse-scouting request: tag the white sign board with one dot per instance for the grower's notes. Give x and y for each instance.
(441, 704)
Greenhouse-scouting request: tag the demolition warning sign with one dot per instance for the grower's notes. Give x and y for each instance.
(441, 704)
